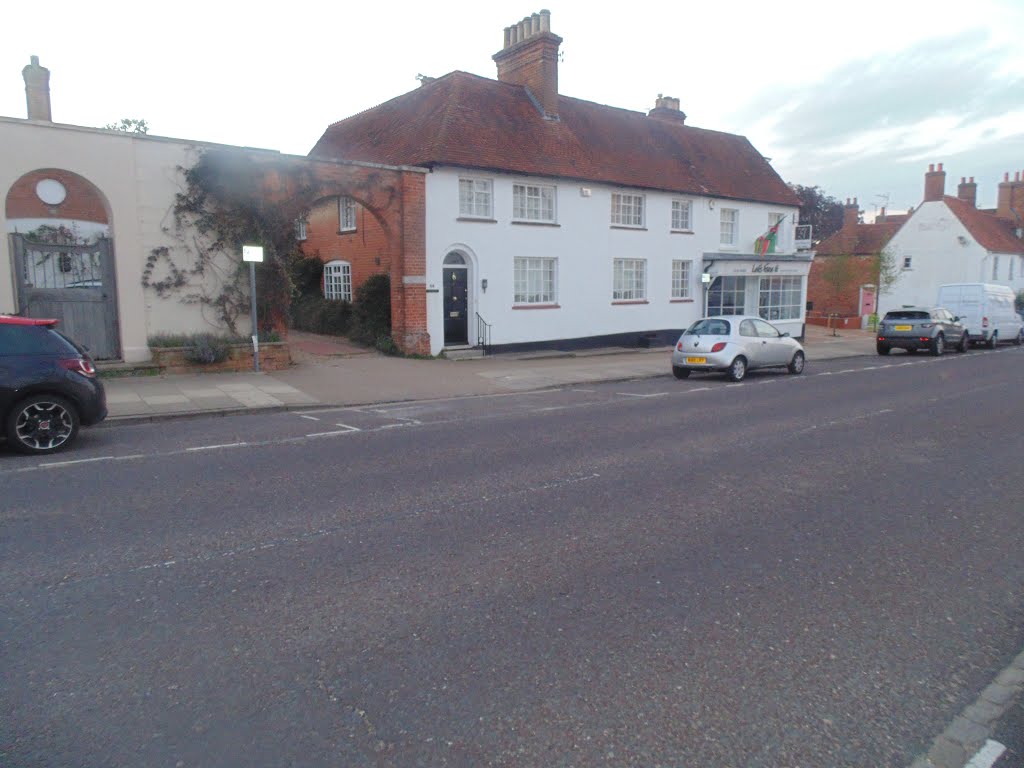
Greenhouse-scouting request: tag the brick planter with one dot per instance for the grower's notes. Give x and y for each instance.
(274, 356)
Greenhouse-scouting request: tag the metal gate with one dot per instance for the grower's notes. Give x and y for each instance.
(73, 283)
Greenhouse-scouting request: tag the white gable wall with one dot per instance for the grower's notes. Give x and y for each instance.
(585, 245)
(932, 238)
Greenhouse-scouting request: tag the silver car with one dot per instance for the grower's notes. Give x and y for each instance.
(735, 344)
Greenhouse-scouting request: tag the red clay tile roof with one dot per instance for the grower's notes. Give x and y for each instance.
(860, 240)
(992, 233)
(469, 121)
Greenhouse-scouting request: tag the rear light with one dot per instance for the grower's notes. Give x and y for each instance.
(679, 346)
(79, 365)
(718, 347)
(984, 322)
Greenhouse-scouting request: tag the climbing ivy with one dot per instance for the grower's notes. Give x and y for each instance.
(231, 199)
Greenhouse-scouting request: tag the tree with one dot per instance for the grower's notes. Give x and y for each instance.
(888, 273)
(822, 211)
(128, 125)
(838, 272)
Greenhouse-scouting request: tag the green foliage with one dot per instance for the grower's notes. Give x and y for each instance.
(316, 314)
(307, 274)
(387, 345)
(128, 125)
(888, 272)
(837, 272)
(822, 211)
(175, 340)
(206, 349)
(371, 311)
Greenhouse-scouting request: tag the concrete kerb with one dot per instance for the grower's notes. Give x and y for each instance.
(970, 730)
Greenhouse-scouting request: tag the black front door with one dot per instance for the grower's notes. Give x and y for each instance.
(456, 304)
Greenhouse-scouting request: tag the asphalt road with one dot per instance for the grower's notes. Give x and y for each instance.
(819, 570)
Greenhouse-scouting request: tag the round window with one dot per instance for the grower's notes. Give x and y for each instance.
(51, 191)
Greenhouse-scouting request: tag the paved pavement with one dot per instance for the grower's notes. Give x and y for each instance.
(331, 371)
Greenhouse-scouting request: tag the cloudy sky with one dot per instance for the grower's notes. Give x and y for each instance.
(856, 100)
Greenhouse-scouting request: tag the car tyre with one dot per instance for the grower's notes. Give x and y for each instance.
(993, 340)
(882, 349)
(965, 343)
(796, 365)
(42, 424)
(680, 373)
(737, 369)
(938, 345)
(1020, 338)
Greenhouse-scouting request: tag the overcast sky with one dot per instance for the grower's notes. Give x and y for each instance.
(857, 101)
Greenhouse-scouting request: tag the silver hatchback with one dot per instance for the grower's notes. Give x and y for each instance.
(735, 344)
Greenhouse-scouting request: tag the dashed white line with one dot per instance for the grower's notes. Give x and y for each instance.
(331, 434)
(215, 447)
(349, 428)
(635, 394)
(75, 461)
(986, 756)
(304, 416)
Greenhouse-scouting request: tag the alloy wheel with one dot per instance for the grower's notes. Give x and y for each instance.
(44, 425)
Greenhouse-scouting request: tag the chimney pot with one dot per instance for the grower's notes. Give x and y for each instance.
(931, 167)
(972, 179)
(968, 192)
(545, 20)
(934, 184)
(535, 23)
(508, 37)
(940, 166)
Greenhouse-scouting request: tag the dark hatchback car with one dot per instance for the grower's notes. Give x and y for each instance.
(48, 386)
(913, 328)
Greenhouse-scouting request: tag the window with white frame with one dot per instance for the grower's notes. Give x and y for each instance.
(908, 262)
(300, 228)
(475, 198)
(727, 296)
(533, 202)
(779, 298)
(681, 215)
(729, 219)
(681, 279)
(629, 280)
(346, 214)
(627, 210)
(773, 219)
(338, 281)
(535, 280)
(995, 267)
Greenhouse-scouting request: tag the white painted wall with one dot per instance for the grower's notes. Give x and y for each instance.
(585, 244)
(139, 177)
(932, 238)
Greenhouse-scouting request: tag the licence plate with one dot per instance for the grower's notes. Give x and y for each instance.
(697, 360)
(903, 328)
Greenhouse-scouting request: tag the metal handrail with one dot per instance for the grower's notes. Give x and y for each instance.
(483, 334)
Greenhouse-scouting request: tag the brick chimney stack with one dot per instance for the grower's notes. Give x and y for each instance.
(851, 213)
(667, 108)
(530, 58)
(934, 184)
(1010, 201)
(37, 90)
(968, 192)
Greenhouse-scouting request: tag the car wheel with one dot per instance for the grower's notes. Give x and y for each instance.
(680, 373)
(796, 365)
(993, 340)
(938, 345)
(42, 424)
(965, 343)
(1020, 338)
(737, 370)
(882, 349)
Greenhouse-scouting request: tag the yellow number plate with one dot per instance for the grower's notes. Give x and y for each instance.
(696, 360)
(903, 328)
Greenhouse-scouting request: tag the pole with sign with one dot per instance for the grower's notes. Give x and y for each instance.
(253, 254)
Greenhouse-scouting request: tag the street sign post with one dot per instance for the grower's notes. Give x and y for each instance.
(253, 254)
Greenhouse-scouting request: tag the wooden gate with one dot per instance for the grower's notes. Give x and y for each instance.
(73, 283)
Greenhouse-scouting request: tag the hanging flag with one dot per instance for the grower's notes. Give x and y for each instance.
(765, 244)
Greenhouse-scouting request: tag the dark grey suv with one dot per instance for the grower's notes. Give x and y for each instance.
(914, 328)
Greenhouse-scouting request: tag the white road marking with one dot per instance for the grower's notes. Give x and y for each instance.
(304, 416)
(635, 394)
(349, 428)
(74, 461)
(330, 434)
(986, 756)
(214, 447)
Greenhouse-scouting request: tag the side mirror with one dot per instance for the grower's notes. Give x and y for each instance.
(784, 335)
(956, 319)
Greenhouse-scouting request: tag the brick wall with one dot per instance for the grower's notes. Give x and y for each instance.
(831, 295)
(390, 237)
(83, 201)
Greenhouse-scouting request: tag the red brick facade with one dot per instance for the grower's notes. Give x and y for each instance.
(833, 284)
(83, 202)
(390, 237)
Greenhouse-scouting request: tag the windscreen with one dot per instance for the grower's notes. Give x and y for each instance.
(708, 327)
(33, 340)
(907, 314)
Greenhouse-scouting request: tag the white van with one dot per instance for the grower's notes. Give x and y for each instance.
(986, 311)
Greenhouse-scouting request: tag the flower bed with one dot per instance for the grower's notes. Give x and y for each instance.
(274, 356)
